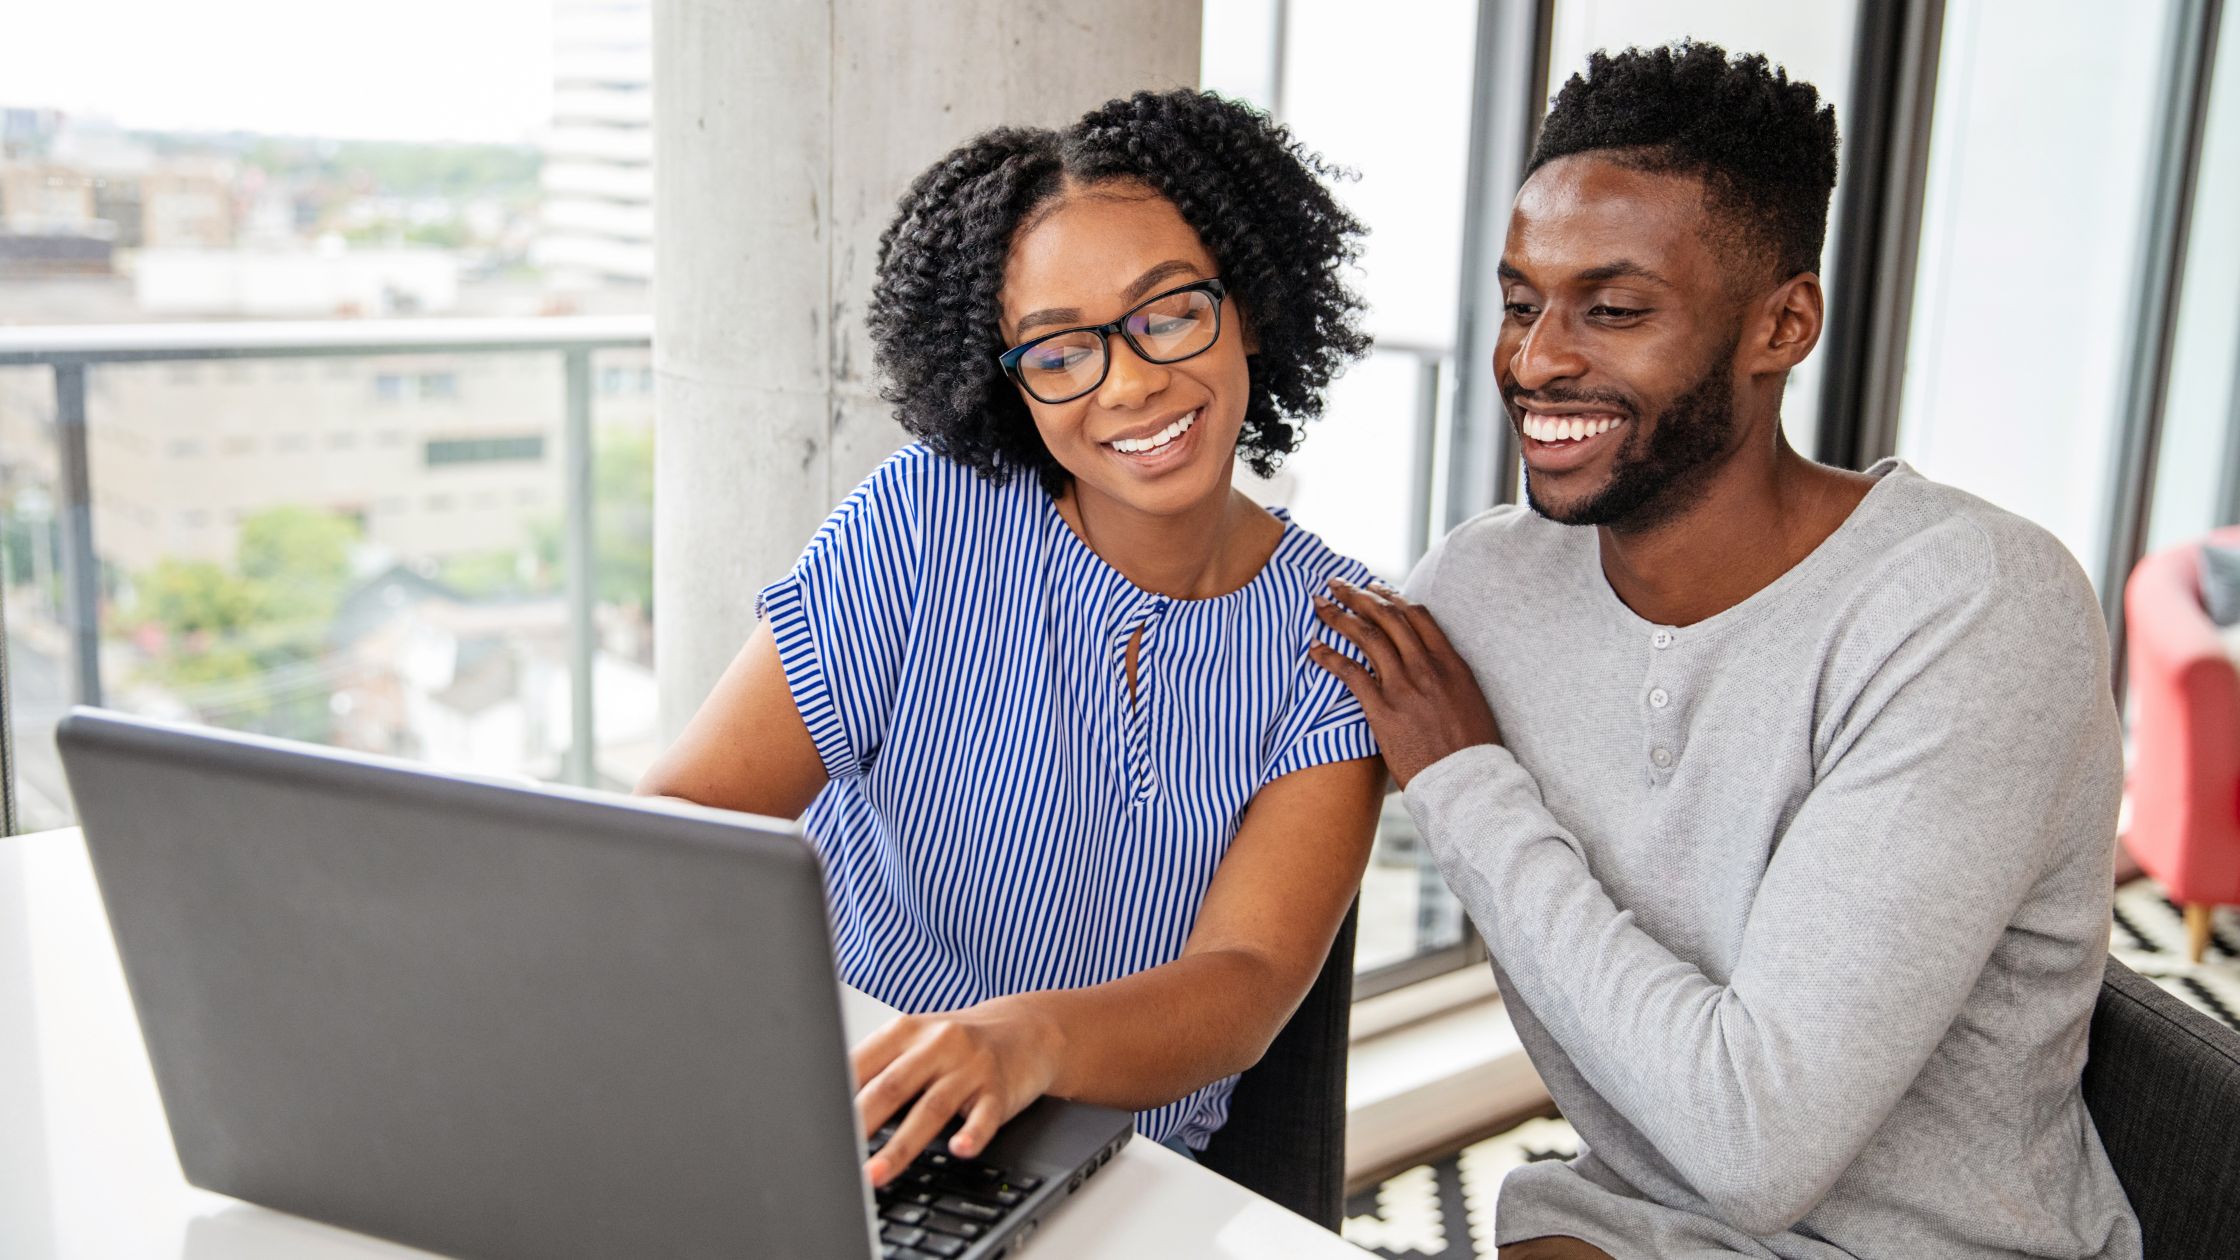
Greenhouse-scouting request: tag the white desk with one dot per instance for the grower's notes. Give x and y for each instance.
(87, 1169)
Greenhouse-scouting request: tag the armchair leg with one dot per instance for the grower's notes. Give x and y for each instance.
(2197, 931)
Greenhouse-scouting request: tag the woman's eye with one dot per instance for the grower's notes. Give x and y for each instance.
(1055, 360)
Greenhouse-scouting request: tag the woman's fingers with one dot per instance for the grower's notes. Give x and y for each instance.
(982, 1118)
(924, 1122)
(984, 1063)
(892, 1087)
(877, 1052)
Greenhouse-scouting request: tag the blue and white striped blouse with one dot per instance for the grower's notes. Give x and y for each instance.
(1000, 816)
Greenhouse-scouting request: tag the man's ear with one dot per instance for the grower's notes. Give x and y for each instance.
(1786, 326)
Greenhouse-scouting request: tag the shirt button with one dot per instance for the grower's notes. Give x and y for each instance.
(1661, 639)
(1662, 756)
(1659, 699)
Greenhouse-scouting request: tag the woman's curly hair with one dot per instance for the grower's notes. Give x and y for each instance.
(1255, 198)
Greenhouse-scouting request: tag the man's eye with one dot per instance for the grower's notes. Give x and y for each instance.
(1615, 312)
(1521, 310)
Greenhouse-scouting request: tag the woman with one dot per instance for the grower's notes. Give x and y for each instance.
(1087, 810)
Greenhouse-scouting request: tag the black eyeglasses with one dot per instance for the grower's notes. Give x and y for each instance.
(1062, 366)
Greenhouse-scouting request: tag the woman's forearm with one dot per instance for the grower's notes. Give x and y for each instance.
(1147, 1039)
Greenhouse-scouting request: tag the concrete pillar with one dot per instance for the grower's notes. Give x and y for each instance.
(784, 130)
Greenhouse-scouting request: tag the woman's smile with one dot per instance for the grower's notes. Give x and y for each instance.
(1160, 449)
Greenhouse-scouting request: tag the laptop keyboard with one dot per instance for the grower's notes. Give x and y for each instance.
(942, 1204)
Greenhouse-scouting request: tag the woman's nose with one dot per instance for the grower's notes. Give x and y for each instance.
(1131, 380)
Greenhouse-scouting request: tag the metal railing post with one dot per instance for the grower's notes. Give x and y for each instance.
(81, 567)
(7, 721)
(1420, 475)
(582, 573)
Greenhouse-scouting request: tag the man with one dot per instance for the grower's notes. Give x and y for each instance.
(1784, 797)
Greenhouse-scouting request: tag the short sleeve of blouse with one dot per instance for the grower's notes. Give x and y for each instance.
(1325, 723)
(842, 617)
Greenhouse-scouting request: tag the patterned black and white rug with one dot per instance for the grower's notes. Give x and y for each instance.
(1444, 1210)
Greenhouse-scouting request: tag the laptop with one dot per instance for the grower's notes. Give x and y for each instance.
(495, 1020)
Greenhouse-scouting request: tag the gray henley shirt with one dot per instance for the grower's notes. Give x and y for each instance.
(1801, 910)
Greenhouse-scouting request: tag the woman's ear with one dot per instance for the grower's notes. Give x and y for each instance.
(1250, 334)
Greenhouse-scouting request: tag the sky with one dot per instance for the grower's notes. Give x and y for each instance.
(428, 70)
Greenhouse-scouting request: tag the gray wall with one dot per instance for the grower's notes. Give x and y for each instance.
(784, 130)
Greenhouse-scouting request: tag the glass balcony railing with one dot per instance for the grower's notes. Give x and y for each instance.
(427, 538)
(433, 539)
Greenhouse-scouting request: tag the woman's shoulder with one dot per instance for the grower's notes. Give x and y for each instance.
(917, 482)
(1305, 560)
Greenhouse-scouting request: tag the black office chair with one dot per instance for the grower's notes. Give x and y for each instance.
(1286, 1134)
(2163, 1085)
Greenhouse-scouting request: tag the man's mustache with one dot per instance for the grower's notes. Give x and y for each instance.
(1568, 398)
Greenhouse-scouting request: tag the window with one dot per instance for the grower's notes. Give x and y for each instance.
(484, 450)
(2197, 476)
(1390, 100)
(282, 216)
(2029, 234)
(1812, 41)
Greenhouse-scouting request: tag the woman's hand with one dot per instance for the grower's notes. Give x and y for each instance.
(985, 1063)
(1421, 698)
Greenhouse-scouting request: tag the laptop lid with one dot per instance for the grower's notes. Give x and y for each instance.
(477, 1018)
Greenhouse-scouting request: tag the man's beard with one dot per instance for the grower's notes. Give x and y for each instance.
(1656, 478)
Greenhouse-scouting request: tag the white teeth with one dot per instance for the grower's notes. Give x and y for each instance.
(1565, 428)
(1136, 446)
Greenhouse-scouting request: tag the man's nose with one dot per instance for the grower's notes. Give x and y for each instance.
(1546, 353)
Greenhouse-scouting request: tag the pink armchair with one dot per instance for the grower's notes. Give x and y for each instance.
(2185, 777)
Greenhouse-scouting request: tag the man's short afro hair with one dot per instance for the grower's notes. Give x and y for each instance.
(1764, 145)
(1255, 198)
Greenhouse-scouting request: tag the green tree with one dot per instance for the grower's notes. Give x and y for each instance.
(195, 600)
(225, 634)
(622, 519)
(623, 479)
(297, 561)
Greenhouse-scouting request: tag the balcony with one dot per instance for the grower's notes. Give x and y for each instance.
(420, 538)
(382, 534)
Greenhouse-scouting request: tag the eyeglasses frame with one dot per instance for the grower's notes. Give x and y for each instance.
(1010, 359)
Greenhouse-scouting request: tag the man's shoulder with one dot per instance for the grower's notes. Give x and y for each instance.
(1935, 572)
(1507, 543)
(1934, 537)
